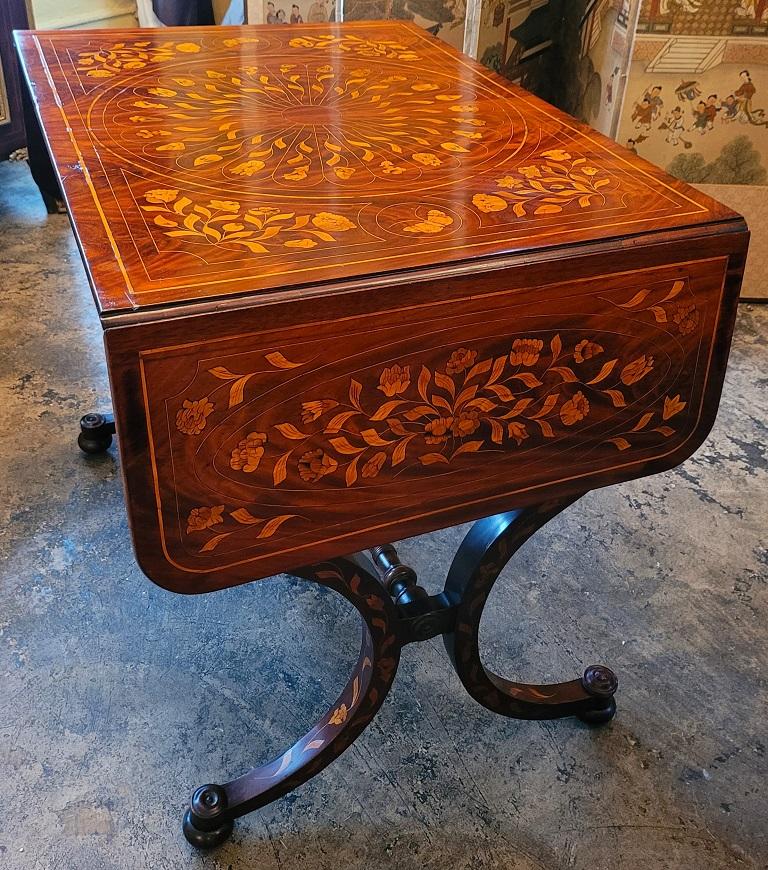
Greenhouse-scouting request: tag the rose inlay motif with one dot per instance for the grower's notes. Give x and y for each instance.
(315, 464)
(534, 391)
(191, 419)
(247, 455)
(203, 518)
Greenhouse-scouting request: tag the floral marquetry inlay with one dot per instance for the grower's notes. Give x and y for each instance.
(230, 224)
(471, 403)
(554, 181)
(424, 157)
(298, 123)
(356, 287)
(513, 393)
(388, 49)
(128, 57)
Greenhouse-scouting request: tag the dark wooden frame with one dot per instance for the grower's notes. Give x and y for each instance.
(13, 16)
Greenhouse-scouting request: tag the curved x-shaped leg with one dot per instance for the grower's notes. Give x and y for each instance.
(208, 821)
(387, 626)
(487, 548)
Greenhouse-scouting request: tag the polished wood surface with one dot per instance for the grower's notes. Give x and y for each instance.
(357, 288)
(281, 435)
(217, 161)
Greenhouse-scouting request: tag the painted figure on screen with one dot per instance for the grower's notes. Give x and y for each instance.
(714, 59)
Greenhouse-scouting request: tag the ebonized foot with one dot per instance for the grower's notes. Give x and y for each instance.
(96, 431)
(205, 840)
(202, 825)
(601, 683)
(597, 716)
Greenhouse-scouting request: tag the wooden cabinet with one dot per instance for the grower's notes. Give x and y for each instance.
(13, 16)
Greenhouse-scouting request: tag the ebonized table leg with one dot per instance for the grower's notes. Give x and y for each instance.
(213, 808)
(40, 163)
(397, 611)
(487, 548)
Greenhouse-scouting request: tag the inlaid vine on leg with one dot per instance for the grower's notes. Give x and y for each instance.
(487, 548)
(213, 808)
(397, 611)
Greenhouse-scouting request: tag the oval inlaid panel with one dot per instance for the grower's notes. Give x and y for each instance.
(268, 444)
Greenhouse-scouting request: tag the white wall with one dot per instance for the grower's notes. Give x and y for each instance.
(53, 14)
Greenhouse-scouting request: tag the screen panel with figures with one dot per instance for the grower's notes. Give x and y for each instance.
(572, 53)
(696, 105)
(443, 18)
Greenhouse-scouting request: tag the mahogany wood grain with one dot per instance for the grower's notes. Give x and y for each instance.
(203, 163)
(355, 287)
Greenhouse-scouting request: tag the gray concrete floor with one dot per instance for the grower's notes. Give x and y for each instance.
(117, 698)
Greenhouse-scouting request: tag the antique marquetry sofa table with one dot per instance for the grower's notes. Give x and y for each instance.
(355, 287)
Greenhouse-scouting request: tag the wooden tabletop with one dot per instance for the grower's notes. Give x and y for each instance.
(204, 162)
